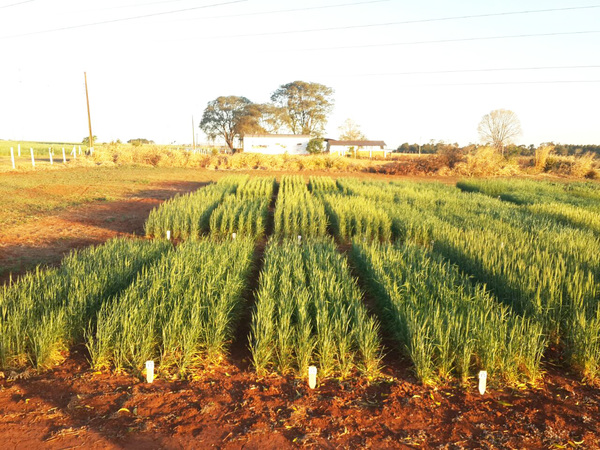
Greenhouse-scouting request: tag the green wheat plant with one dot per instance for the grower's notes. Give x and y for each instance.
(309, 310)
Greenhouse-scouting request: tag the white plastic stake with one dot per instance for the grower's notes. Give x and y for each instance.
(51, 159)
(149, 371)
(19, 149)
(482, 381)
(80, 149)
(12, 157)
(64, 156)
(32, 158)
(233, 235)
(299, 239)
(74, 152)
(168, 235)
(312, 377)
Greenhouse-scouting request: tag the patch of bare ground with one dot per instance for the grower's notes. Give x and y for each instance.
(230, 407)
(45, 240)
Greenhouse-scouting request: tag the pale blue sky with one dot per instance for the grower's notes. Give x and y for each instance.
(148, 76)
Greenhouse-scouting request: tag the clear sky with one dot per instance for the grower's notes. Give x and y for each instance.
(398, 70)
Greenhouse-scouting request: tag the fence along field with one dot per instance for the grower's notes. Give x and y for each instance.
(414, 243)
(28, 155)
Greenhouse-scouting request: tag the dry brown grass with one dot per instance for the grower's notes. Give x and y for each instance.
(158, 156)
(541, 157)
(485, 162)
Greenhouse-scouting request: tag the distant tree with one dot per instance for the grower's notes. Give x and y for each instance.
(230, 117)
(315, 145)
(499, 128)
(86, 140)
(305, 106)
(350, 131)
(404, 148)
(139, 141)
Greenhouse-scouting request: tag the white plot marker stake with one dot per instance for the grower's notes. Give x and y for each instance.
(168, 235)
(482, 381)
(149, 371)
(64, 156)
(233, 235)
(299, 239)
(312, 377)
(32, 158)
(12, 157)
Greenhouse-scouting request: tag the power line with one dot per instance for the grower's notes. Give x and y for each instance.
(500, 69)
(258, 13)
(349, 27)
(280, 11)
(16, 4)
(509, 82)
(444, 41)
(104, 22)
(405, 22)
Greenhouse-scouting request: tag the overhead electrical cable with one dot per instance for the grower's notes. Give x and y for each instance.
(491, 69)
(444, 41)
(313, 30)
(281, 11)
(104, 22)
(257, 13)
(404, 22)
(16, 4)
(490, 83)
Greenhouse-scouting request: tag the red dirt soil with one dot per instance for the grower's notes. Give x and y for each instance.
(230, 407)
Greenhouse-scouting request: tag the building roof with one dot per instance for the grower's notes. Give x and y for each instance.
(278, 135)
(333, 142)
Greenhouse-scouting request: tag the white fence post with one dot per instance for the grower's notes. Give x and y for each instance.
(64, 156)
(12, 157)
(74, 153)
(80, 149)
(32, 158)
(50, 153)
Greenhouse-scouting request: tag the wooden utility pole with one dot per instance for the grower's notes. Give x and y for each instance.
(193, 134)
(87, 99)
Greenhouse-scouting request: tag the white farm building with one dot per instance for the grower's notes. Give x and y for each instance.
(276, 144)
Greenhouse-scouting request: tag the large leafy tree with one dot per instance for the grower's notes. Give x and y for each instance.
(272, 118)
(305, 106)
(499, 128)
(230, 117)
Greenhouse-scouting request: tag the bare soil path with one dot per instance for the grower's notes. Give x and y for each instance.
(45, 240)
